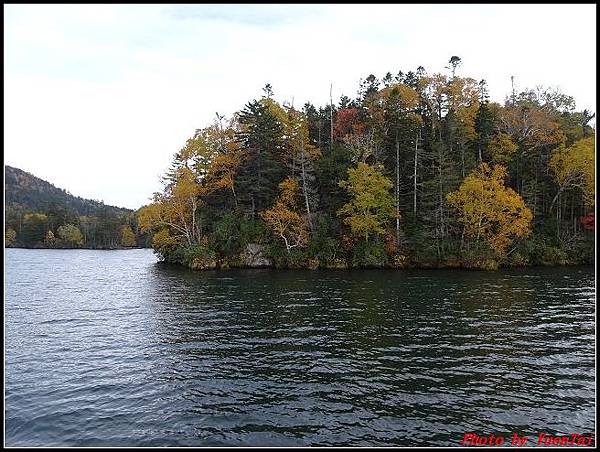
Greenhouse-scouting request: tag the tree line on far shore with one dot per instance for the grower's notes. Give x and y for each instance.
(39, 215)
(50, 229)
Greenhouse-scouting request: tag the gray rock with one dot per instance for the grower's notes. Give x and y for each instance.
(253, 256)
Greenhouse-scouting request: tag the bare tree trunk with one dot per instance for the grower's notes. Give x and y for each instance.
(441, 196)
(558, 218)
(479, 227)
(555, 199)
(235, 202)
(397, 188)
(305, 192)
(415, 175)
(287, 245)
(535, 192)
(319, 133)
(199, 227)
(193, 218)
(572, 216)
(331, 116)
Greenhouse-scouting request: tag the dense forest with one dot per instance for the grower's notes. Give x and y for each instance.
(418, 170)
(40, 215)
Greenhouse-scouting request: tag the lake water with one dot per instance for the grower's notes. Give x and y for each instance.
(111, 348)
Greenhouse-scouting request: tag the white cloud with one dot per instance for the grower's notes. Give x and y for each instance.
(98, 97)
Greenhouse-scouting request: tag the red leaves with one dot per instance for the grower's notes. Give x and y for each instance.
(347, 122)
(588, 221)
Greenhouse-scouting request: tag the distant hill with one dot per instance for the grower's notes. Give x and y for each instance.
(25, 191)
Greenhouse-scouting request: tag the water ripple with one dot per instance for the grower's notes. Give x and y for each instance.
(111, 349)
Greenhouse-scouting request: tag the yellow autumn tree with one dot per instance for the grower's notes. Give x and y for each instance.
(207, 163)
(300, 155)
(69, 234)
(502, 148)
(573, 167)
(195, 156)
(407, 97)
(283, 218)
(226, 157)
(212, 154)
(127, 236)
(463, 99)
(176, 208)
(221, 173)
(489, 210)
(371, 206)
(164, 242)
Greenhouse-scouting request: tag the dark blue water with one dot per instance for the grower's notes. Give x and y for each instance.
(111, 348)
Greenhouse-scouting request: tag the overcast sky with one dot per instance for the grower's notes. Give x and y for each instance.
(99, 97)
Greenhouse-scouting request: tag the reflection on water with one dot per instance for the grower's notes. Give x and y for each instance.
(110, 348)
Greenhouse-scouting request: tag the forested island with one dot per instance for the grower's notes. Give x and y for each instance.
(418, 170)
(39, 215)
